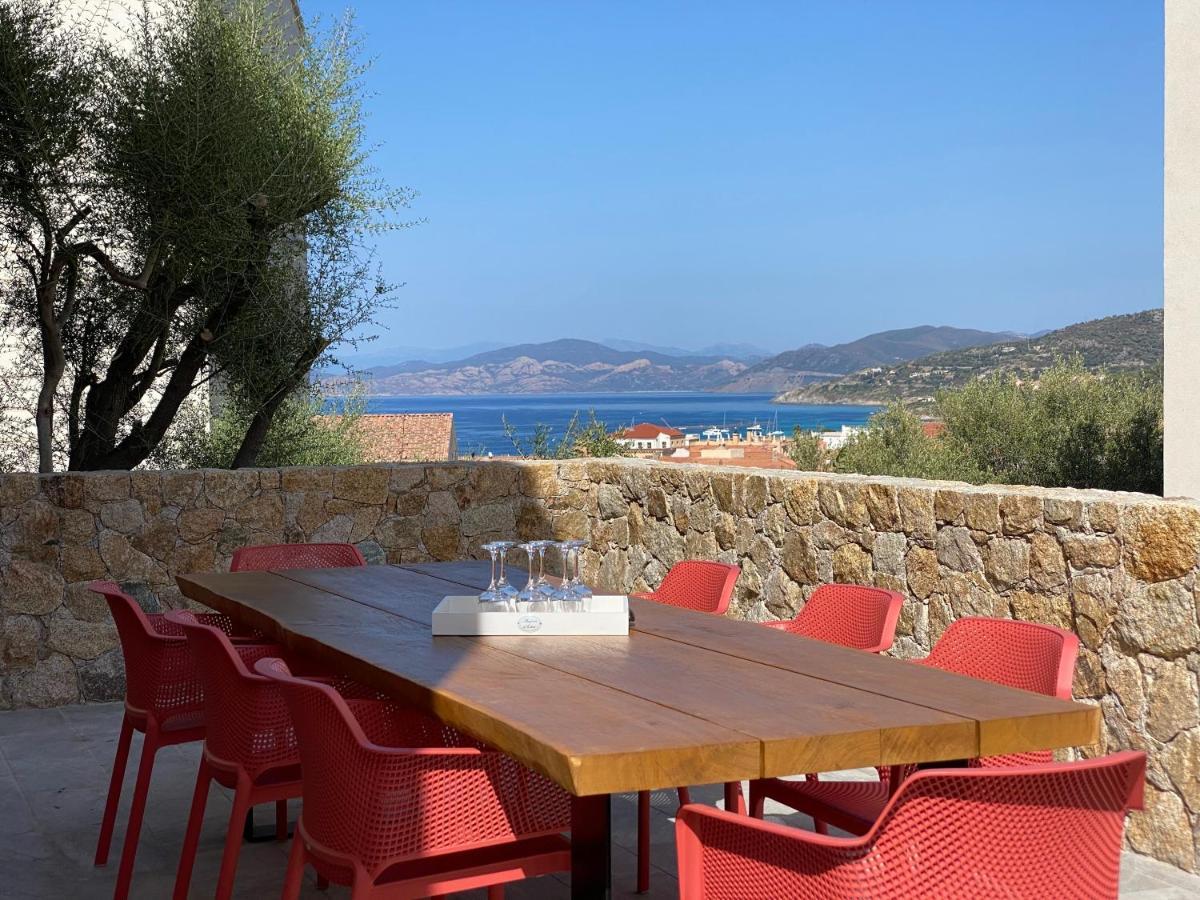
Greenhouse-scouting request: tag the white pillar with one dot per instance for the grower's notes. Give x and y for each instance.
(1181, 247)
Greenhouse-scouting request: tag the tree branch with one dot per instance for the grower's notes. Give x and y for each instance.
(138, 282)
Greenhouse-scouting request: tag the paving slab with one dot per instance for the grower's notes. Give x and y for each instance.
(54, 769)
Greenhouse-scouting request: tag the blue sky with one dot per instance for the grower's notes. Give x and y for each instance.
(777, 173)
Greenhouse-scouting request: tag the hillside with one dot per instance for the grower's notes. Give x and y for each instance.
(816, 362)
(1113, 344)
(555, 366)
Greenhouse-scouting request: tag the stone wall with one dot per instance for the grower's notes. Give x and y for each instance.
(59, 532)
(1120, 570)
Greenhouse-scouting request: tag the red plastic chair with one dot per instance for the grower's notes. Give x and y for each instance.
(249, 745)
(164, 699)
(704, 586)
(851, 615)
(295, 556)
(1042, 831)
(697, 584)
(1025, 655)
(397, 804)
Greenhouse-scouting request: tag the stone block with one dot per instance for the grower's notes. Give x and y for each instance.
(1160, 619)
(1020, 513)
(956, 550)
(362, 484)
(1161, 542)
(51, 682)
(921, 567)
(32, 588)
(799, 558)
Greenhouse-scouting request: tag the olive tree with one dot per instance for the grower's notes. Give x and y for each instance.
(189, 206)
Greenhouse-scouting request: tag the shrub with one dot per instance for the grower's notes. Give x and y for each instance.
(894, 443)
(299, 435)
(1071, 428)
(808, 451)
(590, 438)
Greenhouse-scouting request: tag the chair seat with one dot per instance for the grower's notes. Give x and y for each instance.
(852, 806)
(526, 858)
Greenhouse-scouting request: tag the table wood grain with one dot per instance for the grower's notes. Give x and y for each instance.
(686, 698)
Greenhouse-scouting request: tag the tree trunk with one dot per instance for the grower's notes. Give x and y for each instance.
(54, 361)
(247, 454)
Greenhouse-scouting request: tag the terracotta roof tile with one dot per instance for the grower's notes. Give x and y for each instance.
(647, 431)
(408, 437)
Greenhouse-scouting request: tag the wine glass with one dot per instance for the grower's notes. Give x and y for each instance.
(578, 588)
(565, 593)
(504, 590)
(562, 591)
(528, 593)
(491, 595)
(543, 587)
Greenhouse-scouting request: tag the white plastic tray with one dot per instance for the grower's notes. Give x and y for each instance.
(466, 615)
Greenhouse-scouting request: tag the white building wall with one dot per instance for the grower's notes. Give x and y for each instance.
(1181, 247)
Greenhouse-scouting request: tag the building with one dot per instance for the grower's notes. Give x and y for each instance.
(408, 437)
(835, 440)
(647, 436)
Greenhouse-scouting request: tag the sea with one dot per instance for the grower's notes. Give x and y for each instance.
(478, 418)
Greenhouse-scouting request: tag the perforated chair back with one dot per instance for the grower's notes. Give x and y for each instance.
(1025, 655)
(160, 674)
(1044, 831)
(851, 615)
(295, 556)
(384, 785)
(248, 725)
(698, 584)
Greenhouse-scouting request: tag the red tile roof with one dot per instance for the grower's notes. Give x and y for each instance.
(408, 437)
(646, 431)
(933, 428)
(757, 456)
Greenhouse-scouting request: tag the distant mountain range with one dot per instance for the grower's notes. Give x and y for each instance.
(566, 365)
(817, 363)
(747, 353)
(1112, 344)
(907, 363)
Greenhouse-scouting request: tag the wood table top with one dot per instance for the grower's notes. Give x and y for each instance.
(686, 698)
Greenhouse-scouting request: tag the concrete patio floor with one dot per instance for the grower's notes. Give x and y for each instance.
(54, 768)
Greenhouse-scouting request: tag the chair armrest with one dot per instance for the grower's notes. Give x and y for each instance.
(415, 791)
(785, 861)
(252, 653)
(780, 625)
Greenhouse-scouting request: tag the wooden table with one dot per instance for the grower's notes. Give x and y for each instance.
(686, 698)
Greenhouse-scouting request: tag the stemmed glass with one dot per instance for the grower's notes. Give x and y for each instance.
(529, 593)
(578, 588)
(505, 590)
(491, 595)
(499, 590)
(543, 586)
(562, 592)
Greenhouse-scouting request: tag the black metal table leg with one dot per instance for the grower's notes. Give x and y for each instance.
(251, 835)
(591, 847)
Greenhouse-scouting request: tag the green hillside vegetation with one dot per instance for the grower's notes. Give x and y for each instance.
(1115, 344)
(1071, 428)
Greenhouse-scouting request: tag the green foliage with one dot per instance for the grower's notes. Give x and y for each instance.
(808, 452)
(299, 435)
(894, 443)
(193, 201)
(590, 438)
(1070, 428)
